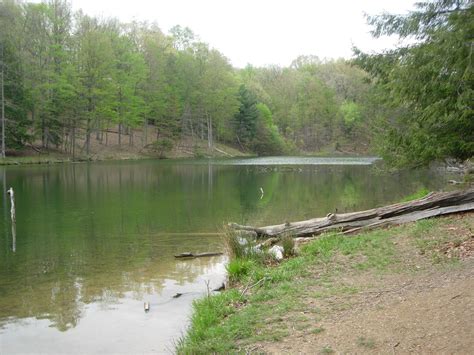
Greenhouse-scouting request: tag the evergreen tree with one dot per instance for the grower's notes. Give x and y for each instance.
(245, 120)
(430, 82)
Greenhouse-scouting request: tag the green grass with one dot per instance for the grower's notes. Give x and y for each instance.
(422, 192)
(317, 330)
(231, 321)
(376, 246)
(238, 268)
(221, 322)
(428, 237)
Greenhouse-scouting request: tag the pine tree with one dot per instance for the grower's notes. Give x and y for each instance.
(430, 82)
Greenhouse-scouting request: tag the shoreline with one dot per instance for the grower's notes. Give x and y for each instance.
(310, 302)
(51, 160)
(55, 158)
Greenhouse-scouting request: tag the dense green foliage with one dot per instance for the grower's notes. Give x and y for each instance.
(72, 80)
(428, 82)
(69, 76)
(306, 101)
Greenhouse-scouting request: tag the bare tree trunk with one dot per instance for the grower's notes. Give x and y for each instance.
(88, 136)
(90, 107)
(43, 135)
(97, 133)
(120, 134)
(65, 138)
(145, 132)
(210, 142)
(202, 130)
(73, 142)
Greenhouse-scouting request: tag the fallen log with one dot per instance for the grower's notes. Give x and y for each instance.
(434, 204)
(199, 255)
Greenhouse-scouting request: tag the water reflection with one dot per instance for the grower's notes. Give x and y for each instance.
(95, 240)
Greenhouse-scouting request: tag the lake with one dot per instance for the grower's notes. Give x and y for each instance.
(96, 240)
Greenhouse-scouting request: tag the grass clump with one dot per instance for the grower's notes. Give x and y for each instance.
(238, 268)
(288, 244)
(366, 342)
(317, 330)
(327, 350)
(246, 258)
(241, 246)
(235, 245)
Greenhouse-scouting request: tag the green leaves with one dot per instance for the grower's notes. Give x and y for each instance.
(431, 79)
(351, 113)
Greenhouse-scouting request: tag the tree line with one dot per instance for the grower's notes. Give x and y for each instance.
(70, 79)
(70, 75)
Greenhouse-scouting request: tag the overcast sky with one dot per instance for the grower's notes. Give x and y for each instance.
(261, 32)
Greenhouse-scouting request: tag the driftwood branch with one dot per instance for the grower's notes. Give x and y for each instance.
(200, 255)
(434, 204)
(248, 287)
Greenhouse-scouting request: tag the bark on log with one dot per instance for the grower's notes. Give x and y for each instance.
(434, 204)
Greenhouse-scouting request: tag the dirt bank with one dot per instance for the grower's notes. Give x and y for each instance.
(424, 303)
(131, 147)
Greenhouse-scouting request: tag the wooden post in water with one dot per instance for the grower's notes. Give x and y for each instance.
(4, 202)
(13, 217)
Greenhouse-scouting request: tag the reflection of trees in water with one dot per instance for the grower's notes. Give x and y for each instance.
(314, 191)
(91, 232)
(58, 288)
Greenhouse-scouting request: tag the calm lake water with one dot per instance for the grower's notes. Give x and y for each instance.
(95, 241)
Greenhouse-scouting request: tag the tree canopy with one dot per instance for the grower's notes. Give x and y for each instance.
(73, 81)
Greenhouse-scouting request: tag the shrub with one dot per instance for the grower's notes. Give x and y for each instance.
(163, 145)
(235, 244)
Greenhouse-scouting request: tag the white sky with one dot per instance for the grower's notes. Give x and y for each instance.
(261, 32)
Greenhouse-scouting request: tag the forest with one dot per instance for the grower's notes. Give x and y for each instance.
(69, 79)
